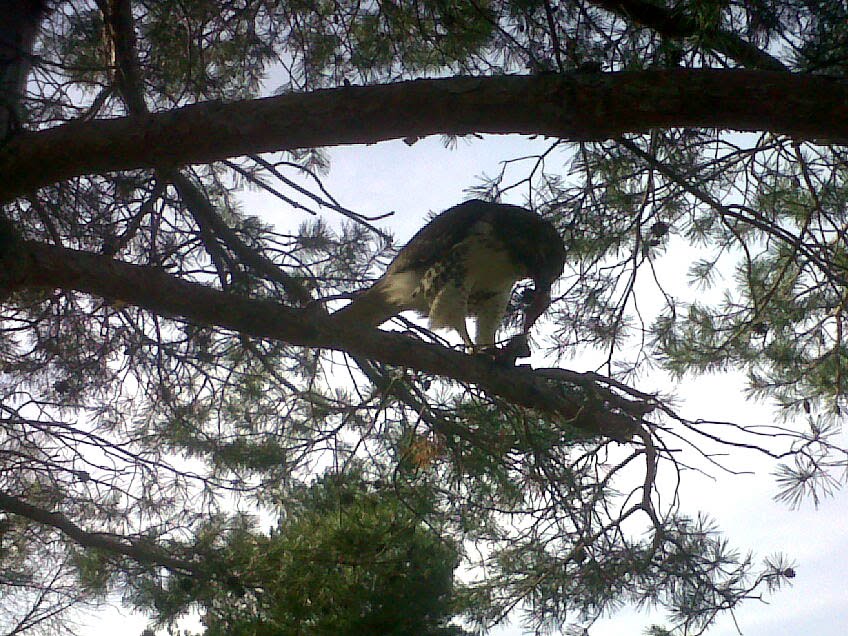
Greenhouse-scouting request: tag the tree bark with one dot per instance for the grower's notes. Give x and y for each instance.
(675, 24)
(19, 23)
(577, 106)
(139, 549)
(583, 405)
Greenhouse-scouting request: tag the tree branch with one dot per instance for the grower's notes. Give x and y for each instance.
(673, 23)
(579, 106)
(141, 551)
(28, 265)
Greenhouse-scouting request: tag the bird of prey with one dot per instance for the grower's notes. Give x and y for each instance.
(464, 263)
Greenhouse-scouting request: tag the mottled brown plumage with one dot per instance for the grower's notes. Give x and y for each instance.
(463, 263)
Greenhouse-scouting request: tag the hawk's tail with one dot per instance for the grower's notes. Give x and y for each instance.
(369, 308)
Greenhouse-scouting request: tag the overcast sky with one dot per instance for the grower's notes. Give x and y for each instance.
(414, 180)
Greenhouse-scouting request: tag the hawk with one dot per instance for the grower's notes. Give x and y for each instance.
(464, 263)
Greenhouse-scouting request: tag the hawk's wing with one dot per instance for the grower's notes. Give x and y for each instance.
(430, 244)
(440, 235)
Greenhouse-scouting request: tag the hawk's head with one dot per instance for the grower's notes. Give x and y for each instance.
(543, 253)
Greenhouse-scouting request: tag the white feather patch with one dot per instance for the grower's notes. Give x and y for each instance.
(400, 289)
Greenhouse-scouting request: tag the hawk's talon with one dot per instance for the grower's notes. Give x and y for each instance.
(517, 347)
(489, 351)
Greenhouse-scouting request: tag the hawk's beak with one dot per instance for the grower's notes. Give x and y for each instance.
(540, 302)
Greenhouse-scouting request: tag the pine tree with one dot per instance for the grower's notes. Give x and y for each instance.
(168, 357)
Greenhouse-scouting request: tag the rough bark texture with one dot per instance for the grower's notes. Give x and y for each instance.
(572, 106)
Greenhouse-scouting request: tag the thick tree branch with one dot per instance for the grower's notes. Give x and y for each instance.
(139, 550)
(579, 106)
(28, 265)
(19, 22)
(673, 23)
(120, 37)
